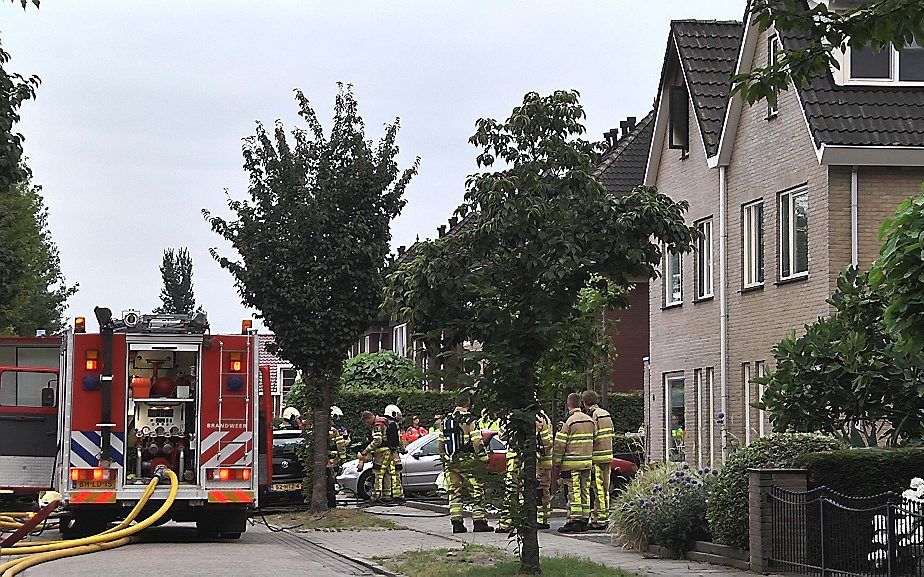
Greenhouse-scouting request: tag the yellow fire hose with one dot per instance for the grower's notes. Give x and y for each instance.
(119, 535)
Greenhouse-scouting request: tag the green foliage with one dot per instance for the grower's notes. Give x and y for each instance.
(177, 295)
(381, 370)
(666, 505)
(313, 240)
(537, 229)
(33, 291)
(15, 89)
(846, 376)
(900, 273)
(728, 503)
(823, 32)
(863, 472)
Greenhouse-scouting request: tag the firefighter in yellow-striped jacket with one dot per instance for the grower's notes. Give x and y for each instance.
(602, 459)
(544, 469)
(573, 452)
(463, 452)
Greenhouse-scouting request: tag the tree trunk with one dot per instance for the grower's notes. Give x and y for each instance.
(320, 431)
(529, 538)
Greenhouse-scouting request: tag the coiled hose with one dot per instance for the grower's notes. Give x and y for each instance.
(121, 534)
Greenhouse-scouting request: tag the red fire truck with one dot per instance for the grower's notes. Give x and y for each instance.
(146, 391)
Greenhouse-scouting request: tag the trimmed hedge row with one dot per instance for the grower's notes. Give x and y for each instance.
(864, 472)
(627, 408)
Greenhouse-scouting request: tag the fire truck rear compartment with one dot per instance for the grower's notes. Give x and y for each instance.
(162, 411)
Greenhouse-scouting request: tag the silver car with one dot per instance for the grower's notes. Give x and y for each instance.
(421, 466)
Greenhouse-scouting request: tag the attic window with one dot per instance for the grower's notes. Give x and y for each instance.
(867, 66)
(679, 117)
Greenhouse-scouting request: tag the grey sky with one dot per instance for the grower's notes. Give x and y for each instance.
(142, 106)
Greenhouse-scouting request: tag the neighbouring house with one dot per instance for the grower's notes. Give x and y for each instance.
(282, 374)
(785, 195)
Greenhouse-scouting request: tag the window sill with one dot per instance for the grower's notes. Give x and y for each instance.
(752, 288)
(703, 299)
(792, 279)
(672, 306)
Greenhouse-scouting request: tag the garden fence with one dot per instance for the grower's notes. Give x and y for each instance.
(821, 532)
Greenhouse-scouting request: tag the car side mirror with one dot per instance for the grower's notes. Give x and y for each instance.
(417, 454)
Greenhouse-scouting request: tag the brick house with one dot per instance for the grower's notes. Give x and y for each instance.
(282, 373)
(786, 197)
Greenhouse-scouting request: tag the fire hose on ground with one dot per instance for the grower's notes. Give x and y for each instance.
(31, 554)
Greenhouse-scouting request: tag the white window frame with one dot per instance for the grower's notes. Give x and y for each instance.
(844, 75)
(760, 367)
(280, 388)
(668, 378)
(710, 385)
(752, 244)
(746, 379)
(788, 238)
(700, 420)
(705, 268)
(399, 340)
(669, 274)
(773, 50)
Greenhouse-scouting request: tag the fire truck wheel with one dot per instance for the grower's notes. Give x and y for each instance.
(207, 528)
(230, 535)
(83, 524)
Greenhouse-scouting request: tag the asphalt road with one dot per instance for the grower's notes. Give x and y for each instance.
(175, 550)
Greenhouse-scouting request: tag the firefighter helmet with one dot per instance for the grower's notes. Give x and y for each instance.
(336, 413)
(392, 411)
(289, 413)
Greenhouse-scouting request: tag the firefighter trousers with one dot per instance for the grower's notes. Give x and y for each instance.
(512, 487)
(544, 511)
(397, 487)
(462, 482)
(382, 465)
(578, 482)
(600, 512)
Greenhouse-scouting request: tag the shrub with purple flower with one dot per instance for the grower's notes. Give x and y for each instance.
(666, 505)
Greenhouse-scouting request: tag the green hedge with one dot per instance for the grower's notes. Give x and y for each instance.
(627, 408)
(864, 472)
(728, 503)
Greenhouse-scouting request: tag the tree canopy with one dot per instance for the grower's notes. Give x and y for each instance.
(824, 33)
(537, 229)
(313, 242)
(177, 296)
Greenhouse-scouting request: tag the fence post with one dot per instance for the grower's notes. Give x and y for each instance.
(760, 519)
(891, 541)
(821, 526)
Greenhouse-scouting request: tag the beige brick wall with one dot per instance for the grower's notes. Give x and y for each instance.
(686, 337)
(770, 156)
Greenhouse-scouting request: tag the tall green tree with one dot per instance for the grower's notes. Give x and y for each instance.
(543, 227)
(823, 33)
(177, 296)
(34, 292)
(313, 240)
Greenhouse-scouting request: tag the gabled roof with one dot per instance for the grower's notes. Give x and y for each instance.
(851, 124)
(622, 168)
(708, 51)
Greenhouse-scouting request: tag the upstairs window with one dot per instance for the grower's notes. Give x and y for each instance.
(673, 280)
(399, 340)
(704, 259)
(888, 65)
(793, 234)
(679, 117)
(773, 50)
(752, 225)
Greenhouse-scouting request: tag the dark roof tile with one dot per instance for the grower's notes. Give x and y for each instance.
(622, 168)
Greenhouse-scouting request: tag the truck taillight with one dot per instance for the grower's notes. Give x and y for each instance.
(227, 474)
(80, 324)
(237, 362)
(95, 474)
(246, 325)
(92, 358)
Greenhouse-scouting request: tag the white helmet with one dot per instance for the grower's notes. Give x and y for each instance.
(289, 412)
(335, 412)
(392, 411)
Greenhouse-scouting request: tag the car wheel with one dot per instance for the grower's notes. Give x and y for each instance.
(364, 485)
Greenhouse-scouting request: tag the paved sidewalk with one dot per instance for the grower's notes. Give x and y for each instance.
(427, 530)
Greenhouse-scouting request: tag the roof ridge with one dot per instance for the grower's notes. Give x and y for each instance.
(706, 21)
(623, 143)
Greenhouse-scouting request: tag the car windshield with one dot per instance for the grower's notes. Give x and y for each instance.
(286, 441)
(419, 443)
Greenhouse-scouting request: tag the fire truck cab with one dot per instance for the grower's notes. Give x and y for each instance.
(152, 390)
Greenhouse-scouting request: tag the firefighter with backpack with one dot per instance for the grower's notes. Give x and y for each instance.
(337, 443)
(379, 453)
(512, 481)
(462, 451)
(396, 449)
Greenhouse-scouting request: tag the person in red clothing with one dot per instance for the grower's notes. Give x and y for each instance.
(414, 432)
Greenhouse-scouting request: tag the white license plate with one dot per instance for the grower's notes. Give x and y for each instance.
(287, 486)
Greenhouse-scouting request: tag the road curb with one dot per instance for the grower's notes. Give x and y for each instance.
(374, 567)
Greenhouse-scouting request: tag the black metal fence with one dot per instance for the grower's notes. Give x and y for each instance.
(822, 532)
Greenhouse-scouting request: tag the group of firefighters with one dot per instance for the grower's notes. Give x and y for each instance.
(581, 452)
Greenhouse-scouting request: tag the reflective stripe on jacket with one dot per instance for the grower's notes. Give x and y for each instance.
(574, 443)
(603, 437)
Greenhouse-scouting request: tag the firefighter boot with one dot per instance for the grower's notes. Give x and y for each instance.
(458, 526)
(481, 526)
(574, 526)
